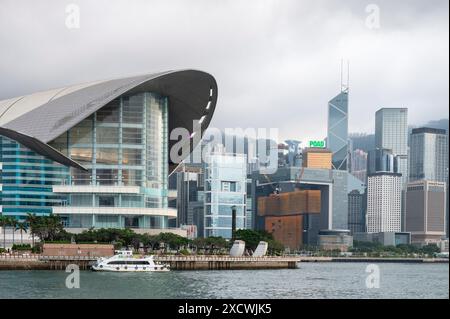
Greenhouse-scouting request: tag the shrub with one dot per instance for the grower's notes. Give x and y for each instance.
(37, 249)
(184, 252)
(21, 247)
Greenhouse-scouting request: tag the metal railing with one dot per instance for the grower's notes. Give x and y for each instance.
(80, 258)
(227, 258)
(17, 256)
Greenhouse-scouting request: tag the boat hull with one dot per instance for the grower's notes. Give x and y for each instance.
(129, 269)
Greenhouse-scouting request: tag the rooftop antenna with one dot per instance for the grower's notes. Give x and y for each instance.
(345, 86)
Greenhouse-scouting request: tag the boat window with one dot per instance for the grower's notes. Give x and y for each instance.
(128, 262)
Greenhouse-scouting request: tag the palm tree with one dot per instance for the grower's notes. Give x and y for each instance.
(3, 223)
(31, 220)
(12, 223)
(23, 227)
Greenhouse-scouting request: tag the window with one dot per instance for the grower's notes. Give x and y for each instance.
(106, 201)
(107, 155)
(107, 135)
(131, 135)
(228, 186)
(109, 113)
(131, 156)
(82, 155)
(107, 176)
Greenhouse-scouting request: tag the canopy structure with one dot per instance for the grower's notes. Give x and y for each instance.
(35, 120)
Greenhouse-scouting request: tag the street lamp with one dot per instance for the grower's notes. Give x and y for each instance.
(233, 221)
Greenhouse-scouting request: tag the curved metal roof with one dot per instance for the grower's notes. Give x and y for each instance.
(44, 116)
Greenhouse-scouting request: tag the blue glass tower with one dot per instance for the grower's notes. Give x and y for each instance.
(337, 138)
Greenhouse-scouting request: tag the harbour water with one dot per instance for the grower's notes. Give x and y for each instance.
(311, 280)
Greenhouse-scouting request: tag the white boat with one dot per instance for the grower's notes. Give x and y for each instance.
(123, 261)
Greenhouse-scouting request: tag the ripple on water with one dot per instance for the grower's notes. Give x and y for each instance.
(312, 280)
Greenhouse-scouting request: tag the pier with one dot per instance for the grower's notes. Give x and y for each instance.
(227, 262)
(216, 262)
(38, 262)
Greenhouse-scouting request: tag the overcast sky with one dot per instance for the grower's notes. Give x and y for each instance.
(277, 63)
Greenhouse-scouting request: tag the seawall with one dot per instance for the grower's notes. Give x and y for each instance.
(37, 262)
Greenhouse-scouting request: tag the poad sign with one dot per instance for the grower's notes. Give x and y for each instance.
(320, 144)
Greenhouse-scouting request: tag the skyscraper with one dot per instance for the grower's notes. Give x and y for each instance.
(391, 132)
(359, 164)
(425, 211)
(337, 137)
(225, 186)
(384, 198)
(356, 213)
(190, 193)
(428, 155)
(382, 160)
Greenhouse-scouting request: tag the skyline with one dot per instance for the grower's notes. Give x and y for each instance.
(264, 55)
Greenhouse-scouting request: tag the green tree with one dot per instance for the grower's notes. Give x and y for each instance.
(12, 223)
(23, 227)
(3, 223)
(253, 237)
(173, 241)
(31, 220)
(47, 228)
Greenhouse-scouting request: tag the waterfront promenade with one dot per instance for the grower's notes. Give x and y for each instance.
(215, 262)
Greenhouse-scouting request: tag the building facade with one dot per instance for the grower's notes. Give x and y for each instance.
(384, 198)
(97, 154)
(359, 164)
(332, 185)
(317, 158)
(27, 180)
(225, 188)
(428, 155)
(382, 160)
(337, 136)
(425, 211)
(391, 132)
(356, 212)
(190, 194)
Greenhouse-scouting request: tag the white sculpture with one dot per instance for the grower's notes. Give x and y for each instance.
(261, 250)
(238, 248)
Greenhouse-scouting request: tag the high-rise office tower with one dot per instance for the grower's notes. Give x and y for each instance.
(391, 132)
(384, 198)
(225, 176)
(359, 164)
(356, 212)
(337, 137)
(190, 194)
(425, 211)
(428, 155)
(382, 160)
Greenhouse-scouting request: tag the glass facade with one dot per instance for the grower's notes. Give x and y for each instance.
(225, 186)
(337, 140)
(123, 144)
(382, 160)
(391, 132)
(428, 155)
(26, 181)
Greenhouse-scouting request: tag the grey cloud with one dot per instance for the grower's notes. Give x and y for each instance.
(276, 62)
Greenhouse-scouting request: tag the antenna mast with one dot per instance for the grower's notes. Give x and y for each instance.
(345, 86)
